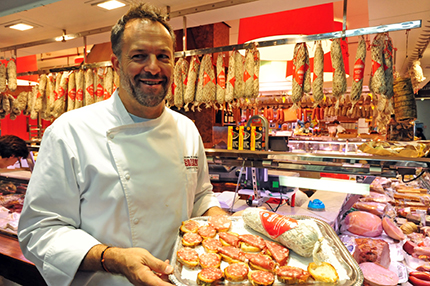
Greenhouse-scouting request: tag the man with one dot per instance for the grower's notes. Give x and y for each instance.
(124, 172)
(12, 148)
(339, 127)
(306, 129)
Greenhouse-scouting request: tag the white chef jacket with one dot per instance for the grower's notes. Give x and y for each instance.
(101, 178)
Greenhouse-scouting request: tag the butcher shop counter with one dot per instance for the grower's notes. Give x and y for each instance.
(333, 201)
(14, 266)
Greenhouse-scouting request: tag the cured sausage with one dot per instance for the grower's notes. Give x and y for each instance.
(89, 87)
(71, 91)
(231, 79)
(2, 77)
(299, 62)
(210, 260)
(256, 89)
(318, 83)
(248, 75)
(212, 244)
(108, 83)
(11, 74)
(190, 90)
(60, 101)
(220, 80)
(239, 70)
(339, 75)
(178, 95)
(99, 85)
(357, 82)
(79, 89)
(378, 84)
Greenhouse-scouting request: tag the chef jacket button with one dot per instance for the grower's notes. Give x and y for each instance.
(136, 221)
(127, 177)
(111, 135)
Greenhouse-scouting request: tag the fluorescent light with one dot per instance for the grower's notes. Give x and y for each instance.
(22, 82)
(21, 27)
(324, 184)
(112, 4)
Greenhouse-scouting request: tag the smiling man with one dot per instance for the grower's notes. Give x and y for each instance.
(115, 179)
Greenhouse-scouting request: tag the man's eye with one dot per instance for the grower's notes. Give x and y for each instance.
(138, 57)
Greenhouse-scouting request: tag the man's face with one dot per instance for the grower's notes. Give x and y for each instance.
(147, 62)
(307, 125)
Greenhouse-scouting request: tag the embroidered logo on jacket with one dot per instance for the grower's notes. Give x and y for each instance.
(191, 162)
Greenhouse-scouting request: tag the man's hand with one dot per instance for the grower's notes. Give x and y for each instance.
(136, 264)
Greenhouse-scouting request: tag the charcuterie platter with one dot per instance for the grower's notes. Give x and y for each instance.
(332, 251)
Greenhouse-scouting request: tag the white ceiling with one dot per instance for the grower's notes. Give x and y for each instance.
(74, 16)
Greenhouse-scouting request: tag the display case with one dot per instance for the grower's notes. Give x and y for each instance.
(325, 145)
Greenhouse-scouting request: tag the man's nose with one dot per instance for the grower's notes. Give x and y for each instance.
(152, 65)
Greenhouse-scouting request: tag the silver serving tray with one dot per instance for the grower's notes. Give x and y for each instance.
(346, 266)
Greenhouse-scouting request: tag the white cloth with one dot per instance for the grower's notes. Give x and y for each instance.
(340, 129)
(100, 178)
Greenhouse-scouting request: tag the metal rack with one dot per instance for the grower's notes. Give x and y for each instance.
(339, 164)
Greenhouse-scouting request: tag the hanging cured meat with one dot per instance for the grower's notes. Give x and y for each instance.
(256, 89)
(339, 76)
(116, 80)
(206, 84)
(99, 84)
(89, 87)
(416, 73)
(2, 77)
(318, 83)
(20, 102)
(190, 89)
(34, 92)
(248, 74)
(178, 96)
(307, 84)
(60, 101)
(50, 96)
(388, 66)
(108, 83)
(231, 79)
(357, 81)
(11, 74)
(79, 77)
(40, 93)
(220, 80)
(71, 91)
(378, 84)
(239, 69)
(299, 67)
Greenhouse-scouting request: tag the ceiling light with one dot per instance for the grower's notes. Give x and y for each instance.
(112, 4)
(21, 27)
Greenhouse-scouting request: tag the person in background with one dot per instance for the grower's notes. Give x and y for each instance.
(115, 179)
(339, 127)
(306, 129)
(420, 134)
(12, 148)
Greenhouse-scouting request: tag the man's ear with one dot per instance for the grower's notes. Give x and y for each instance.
(115, 62)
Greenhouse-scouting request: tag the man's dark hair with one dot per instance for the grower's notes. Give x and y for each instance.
(336, 122)
(137, 11)
(307, 121)
(11, 145)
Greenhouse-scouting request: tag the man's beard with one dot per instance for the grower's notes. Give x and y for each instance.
(144, 99)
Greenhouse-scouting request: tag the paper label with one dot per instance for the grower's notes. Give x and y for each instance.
(358, 70)
(61, 92)
(99, 90)
(72, 94)
(232, 81)
(246, 76)
(221, 79)
(90, 90)
(80, 95)
(276, 224)
(206, 79)
(300, 74)
(375, 66)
